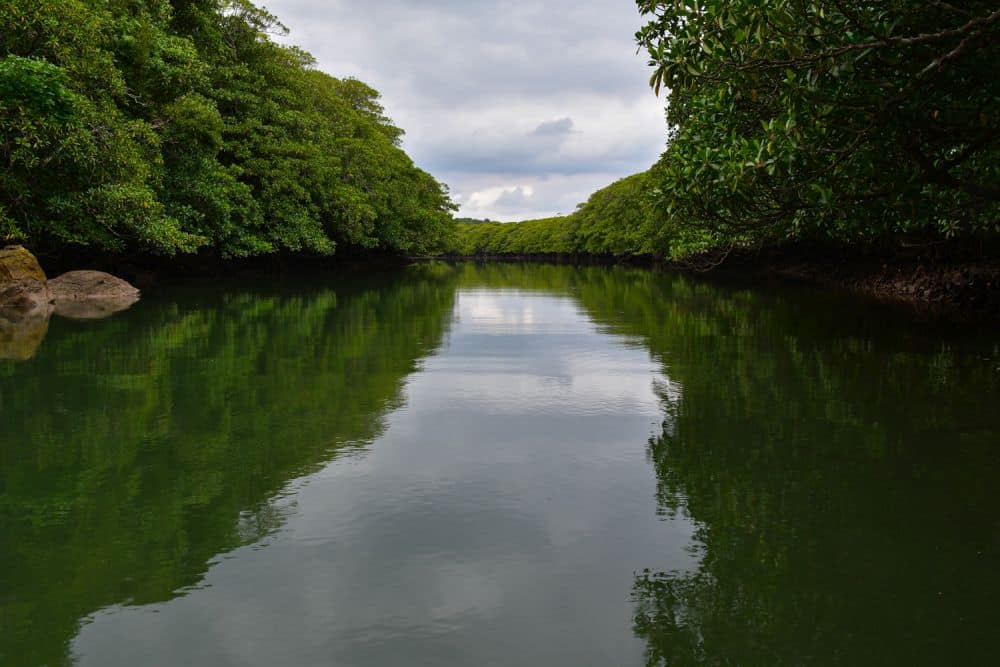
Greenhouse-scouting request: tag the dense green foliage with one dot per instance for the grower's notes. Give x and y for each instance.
(827, 119)
(172, 125)
(472, 221)
(176, 125)
(544, 236)
(617, 220)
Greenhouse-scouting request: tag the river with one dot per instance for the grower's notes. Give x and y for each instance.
(501, 464)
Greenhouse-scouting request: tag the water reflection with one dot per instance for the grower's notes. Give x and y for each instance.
(135, 449)
(839, 462)
(503, 508)
(21, 334)
(571, 466)
(841, 466)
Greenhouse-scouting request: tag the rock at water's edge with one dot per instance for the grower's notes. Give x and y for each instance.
(91, 294)
(22, 282)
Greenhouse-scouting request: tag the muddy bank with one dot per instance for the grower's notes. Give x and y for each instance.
(961, 282)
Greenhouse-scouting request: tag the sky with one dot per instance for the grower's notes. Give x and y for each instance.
(524, 108)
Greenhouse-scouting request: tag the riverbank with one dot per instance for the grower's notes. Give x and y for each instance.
(953, 281)
(957, 282)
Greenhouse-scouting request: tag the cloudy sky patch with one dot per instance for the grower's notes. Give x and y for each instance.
(522, 108)
(555, 127)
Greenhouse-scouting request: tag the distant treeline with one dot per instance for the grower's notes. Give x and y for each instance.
(473, 221)
(166, 126)
(618, 220)
(859, 124)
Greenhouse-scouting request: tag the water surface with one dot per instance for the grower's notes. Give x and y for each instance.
(501, 465)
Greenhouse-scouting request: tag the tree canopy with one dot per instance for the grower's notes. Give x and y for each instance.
(827, 119)
(170, 126)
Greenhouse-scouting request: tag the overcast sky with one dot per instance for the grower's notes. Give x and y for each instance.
(524, 108)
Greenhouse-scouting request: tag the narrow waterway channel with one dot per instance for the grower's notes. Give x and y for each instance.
(501, 465)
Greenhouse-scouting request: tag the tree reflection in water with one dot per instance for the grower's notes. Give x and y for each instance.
(841, 470)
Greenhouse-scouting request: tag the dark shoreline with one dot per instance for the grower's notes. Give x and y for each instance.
(150, 271)
(953, 283)
(957, 282)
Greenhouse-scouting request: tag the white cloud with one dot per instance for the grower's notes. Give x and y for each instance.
(500, 197)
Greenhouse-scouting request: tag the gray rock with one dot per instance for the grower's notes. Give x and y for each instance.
(87, 295)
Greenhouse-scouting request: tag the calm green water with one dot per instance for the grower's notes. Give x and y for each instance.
(501, 465)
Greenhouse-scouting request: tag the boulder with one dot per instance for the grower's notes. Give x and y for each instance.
(22, 282)
(88, 295)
